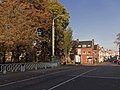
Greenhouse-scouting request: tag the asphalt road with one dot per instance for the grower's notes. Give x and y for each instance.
(96, 77)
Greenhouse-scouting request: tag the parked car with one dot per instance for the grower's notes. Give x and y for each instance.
(115, 61)
(118, 61)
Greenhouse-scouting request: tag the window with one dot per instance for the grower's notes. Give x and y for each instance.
(89, 52)
(89, 58)
(83, 46)
(89, 45)
(84, 52)
(79, 45)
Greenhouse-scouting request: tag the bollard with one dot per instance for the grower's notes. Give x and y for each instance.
(4, 69)
(36, 67)
(22, 67)
(0, 68)
(45, 67)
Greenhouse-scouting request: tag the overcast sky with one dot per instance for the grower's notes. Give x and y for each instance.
(94, 18)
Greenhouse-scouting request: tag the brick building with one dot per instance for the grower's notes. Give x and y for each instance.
(96, 53)
(87, 51)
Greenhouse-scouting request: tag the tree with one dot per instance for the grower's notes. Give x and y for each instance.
(57, 9)
(61, 23)
(67, 42)
(118, 39)
(19, 20)
(118, 42)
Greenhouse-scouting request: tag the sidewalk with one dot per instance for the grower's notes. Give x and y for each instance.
(17, 76)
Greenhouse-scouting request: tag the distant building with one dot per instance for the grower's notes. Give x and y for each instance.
(96, 53)
(84, 49)
(87, 52)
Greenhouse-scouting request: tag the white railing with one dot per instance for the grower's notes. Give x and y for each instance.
(21, 67)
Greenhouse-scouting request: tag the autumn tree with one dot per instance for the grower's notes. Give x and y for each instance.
(19, 22)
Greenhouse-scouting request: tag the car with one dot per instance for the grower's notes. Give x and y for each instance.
(115, 61)
(118, 60)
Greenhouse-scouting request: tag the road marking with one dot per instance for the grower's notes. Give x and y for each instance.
(101, 77)
(71, 79)
(20, 81)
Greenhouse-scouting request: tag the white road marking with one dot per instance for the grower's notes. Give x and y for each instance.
(101, 77)
(71, 79)
(20, 81)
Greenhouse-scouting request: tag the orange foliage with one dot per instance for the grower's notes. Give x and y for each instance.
(20, 20)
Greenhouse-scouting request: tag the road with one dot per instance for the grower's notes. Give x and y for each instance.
(95, 77)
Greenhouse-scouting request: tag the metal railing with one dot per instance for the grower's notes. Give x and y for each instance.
(22, 67)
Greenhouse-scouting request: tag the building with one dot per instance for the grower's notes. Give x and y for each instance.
(85, 51)
(96, 53)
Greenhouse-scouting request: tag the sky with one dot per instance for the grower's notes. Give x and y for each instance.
(98, 19)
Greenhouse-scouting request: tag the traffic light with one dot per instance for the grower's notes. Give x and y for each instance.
(40, 32)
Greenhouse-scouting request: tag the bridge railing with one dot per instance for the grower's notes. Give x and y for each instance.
(22, 67)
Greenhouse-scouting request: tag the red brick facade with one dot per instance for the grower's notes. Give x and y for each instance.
(87, 51)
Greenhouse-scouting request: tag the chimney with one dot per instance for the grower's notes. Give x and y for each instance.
(93, 44)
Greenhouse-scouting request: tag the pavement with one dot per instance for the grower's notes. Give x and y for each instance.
(16, 76)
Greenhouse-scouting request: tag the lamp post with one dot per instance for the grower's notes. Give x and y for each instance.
(119, 50)
(53, 37)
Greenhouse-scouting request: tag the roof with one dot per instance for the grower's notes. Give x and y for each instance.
(83, 44)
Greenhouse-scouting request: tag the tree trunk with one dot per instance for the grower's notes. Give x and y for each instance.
(4, 57)
(67, 58)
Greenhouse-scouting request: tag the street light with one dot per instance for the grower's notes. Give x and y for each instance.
(119, 50)
(53, 37)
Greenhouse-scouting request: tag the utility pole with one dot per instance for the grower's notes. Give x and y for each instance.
(119, 50)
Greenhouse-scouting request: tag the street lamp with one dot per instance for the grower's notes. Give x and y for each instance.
(53, 37)
(119, 50)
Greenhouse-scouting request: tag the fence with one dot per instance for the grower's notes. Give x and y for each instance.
(21, 67)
